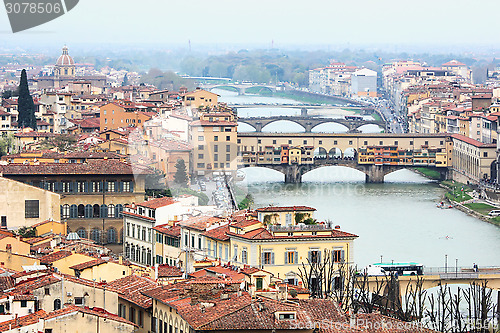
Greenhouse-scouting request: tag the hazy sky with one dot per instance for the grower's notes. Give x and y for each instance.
(324, 22)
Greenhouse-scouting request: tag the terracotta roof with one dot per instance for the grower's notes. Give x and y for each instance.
(131, 288)
(34, 134)
(91, 167)
(54, 256)
(263, 233)
(91, 311)
(157, 203)
(88, 264)
(285, 209)
(218, 233)
(30, 319)
(199, 222)
(169, 271)
(471, 141)
(174, 231)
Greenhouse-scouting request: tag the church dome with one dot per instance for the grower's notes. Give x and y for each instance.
(65, 59)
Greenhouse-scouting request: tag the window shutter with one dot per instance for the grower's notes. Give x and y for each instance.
(296, 259)
(286, 257)
(342, 255)
(309, 256)
(319, 256)
(120, 186)
(104, 211)
(73, 211)
(72, 186)
(131, 186)
(272, 258)
(86, 187)
(62, 211)
(88, 211)
(116, 187)
(262, 258)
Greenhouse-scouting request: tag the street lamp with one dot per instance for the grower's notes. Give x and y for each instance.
(446, 263)
(456, 267)
(381, 256)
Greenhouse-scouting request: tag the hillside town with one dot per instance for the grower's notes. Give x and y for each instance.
(106, 220)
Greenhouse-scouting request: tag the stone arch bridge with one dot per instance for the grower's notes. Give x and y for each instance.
(257, 149)
(240, 88)
(308, 123)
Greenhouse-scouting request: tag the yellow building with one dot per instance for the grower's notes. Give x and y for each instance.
(199, 98)
(16, 261)
(101, 270)
(167, 243)
(51, 227)
(214, 141)
(282, 249)
(24, 205)
(14, 244)
(62, 260)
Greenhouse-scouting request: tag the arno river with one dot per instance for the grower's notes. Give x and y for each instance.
(398, 220)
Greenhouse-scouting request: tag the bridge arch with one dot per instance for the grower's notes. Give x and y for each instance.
(291, 120)
(258, 89)
(245, 127)
(326, 127)
(335, 152)
(367, 123)
(320, 153)
(225, 87)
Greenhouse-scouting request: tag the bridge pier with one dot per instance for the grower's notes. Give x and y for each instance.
(375, 174)
(293, 174)
(241, 91)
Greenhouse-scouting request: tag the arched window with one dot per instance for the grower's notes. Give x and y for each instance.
(57, 304)
(95, 235)
(65, 211)
(81, 210)
(121, 235)
(104, 211)
(96, 210)
(112, 235)
(111, 210)
(127, 251)
(82, 233)
(118, 210)
(73, 211)
(88, 211)
(143, 256)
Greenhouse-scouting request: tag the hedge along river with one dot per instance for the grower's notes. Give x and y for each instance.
(397, 220)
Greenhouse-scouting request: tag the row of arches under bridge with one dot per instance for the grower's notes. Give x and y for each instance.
(321, 153)
(289, 126)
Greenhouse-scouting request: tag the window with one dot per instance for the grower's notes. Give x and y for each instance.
(305, 142)
(80, 187)
(365, 143)
(228, 138)
(24, 303)
(291, 257)
(259, 141)
(216, 148)
(201, 147)
(485, 154)
(48, 330)
(200, 138)
(131, 315)
(65, 187)
(78, 300)
(216, 157)
(268, 258)
(111, 186)
(228, 148)
(65, 211)
(140, 318)
(31, 209)
(314, 256)
(228, 157)
(334, 142)
(4, 221)
(244, 255)
(284, 316)
(200, 165)
(126, 186)
(426, 143)
(216, 138)
(274, 142)
(337, 255)
(47, 291)
(200, 156)
(57, 304)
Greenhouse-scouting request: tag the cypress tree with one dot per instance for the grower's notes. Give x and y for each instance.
(25, 105)
(180, 176)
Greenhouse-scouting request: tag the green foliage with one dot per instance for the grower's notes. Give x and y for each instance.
(9, 93)
(267, 219)
(26, 232)
(246, 202)
(429, 173)
(202, 197)
(299, 217)
(6, 144)
(481, 208)
(309, 221)
(166, 80)
(25, 104)
(180, 176)
(63, 142)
